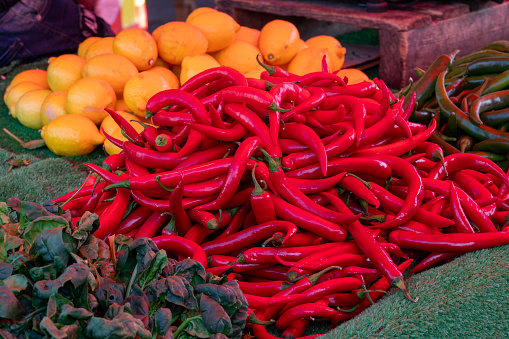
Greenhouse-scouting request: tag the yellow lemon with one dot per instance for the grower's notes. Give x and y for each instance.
(64, 70)
(53, 106)
(101, 46)
(254, 73)
(192, 65)
(12, 96)
(38, 76)
(109, 125)
(28, 108)
(336, 51)
(82, 47)
(198, 11)
(179, 39)
(248, 34)
(353, 75)
(115, 69)
(177, 69)
(142, 87)
(308, 60)
(71, 135)
(240, 55)
(162, 63)
(89, 97)
(279, 41)
(219, 28)
(121, 106)
(168, 75)
(137, 45)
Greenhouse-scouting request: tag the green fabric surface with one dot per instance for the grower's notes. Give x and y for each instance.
(465, 298)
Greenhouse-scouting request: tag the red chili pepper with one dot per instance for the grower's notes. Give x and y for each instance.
(304, 158)
(258, 302)
(303, 239)
(315, 310)
(371, 248)
(200, 157)
(180, 98)
(310, 222)
(236, 221)
(323, 79)
(81, 192)
(243, 95)
(134, 220)
(223, 73)
(471, 185)
(114, 162)
(174, 243)
(204, 218)
(289, 92)
(151, 158)
(153, 224)
(472, 210)
(360, 188)
(316, 98)
(111, 217)
(237, 168)
(76, 204)
(452, 242)
(123, 123)
(263, 289)
(261, 202)
(94, 199)
(109, 177)
(349, 270)
(309, 186)
(249, 236)
(433, 259)
(275, 272)
(166, 119)
(461, 221)
(361, 90)
(235, 132)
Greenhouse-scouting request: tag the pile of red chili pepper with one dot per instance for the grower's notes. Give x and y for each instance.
(314, 194)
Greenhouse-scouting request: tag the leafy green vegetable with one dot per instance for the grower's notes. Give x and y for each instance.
(122, 326)
(214, 317)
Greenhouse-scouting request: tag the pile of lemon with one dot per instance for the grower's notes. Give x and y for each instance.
(67, 101)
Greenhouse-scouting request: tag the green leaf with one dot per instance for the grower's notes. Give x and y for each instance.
(4, 214)
(109, 292)
(197, 329)
(95, 249)
(6, 334)
(77, 274)
(117, 309)
(87, 225)
(18, 259)
(141, 252)
(43, 289)
(55, 303)
(50, 329)
(175, 290)
(46, 272)
(54, 245)
(223, 294)
(5, 270)
(139, 302)
(162, 321)
(69, 314)
(8, 243)
(9, 305)
(215, 318)
(192, 270)
(151, 273)
(16, 283)
(122, 242)
(123, 326)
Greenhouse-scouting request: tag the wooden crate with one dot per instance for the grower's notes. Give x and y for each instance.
(409, 38)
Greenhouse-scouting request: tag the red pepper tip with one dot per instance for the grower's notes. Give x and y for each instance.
(398, 282)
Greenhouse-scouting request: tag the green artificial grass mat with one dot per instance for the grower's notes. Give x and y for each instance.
(465, 298)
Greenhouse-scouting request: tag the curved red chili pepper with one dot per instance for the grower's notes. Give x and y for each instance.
(94, 199)
(308, 310)
(316, 98)
(263, 289)
(182, 219)
(175, 243)
(153, 224)
(223, 72)
(307, 136)
(243, 95)
(410, 108)
(180, 98)
(200, 157)
(303, 239)
(109, 177)
(235, 132)
(360, 188)
(339, 145)
(237, 168)
(461, 221)
(167, 119)
(111, 217)
(134, 220)
(261, 202)
(309, 186)
(471, 186)
(84, 191)
(204, 218)
(114, 162)
(151, 158)
(361, 90)
(433, 259)
(249, 236)
(451, 242)
(327, 117)
(319, 78)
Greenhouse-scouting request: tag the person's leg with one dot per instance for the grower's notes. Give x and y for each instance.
(39, 28)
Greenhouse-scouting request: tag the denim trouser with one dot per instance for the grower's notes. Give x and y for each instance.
(39, 28)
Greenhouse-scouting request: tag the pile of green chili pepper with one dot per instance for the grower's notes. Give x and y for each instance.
(469, 98)
(315, 195)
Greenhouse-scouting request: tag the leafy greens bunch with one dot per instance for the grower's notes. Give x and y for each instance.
(57, 280)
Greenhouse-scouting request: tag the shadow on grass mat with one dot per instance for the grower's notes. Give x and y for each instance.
(465, 298)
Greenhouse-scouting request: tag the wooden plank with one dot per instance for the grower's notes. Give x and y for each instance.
(401, 52)
(351, 14)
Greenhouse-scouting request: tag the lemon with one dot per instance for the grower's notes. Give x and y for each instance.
(12, 96)
(101, 46)
(89, 97)
(279, 41)
(240, 55)
(192, 65)
(71, 135)
(28, 108)
(219, 28)
(137, 45)
(336, 51)
(38, 76)
(199, 11)
(308, 60)
(168, 75)
(121, 106)
(353, 75)
(109, 125)
(115, 69)
(247, 34)
(64, 70)
(53, 106)
(179, 39)
(142, 87)
(82, 47)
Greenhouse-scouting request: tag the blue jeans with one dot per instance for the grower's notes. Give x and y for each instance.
(33, 29)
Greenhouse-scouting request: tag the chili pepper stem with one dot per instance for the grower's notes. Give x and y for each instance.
(398, 282)
(350, 310)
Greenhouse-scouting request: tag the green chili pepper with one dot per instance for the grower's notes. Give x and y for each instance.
(488, 65)
(488, 102)
(446, 147)
(483, 53)
(495, 118)
(497, 145)
(419, 71)
(457, 72)
(447, 108)
(425, 86)
(465, 143)
(489, 155)
(451, 127)
(500, 45)
(498, 83)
